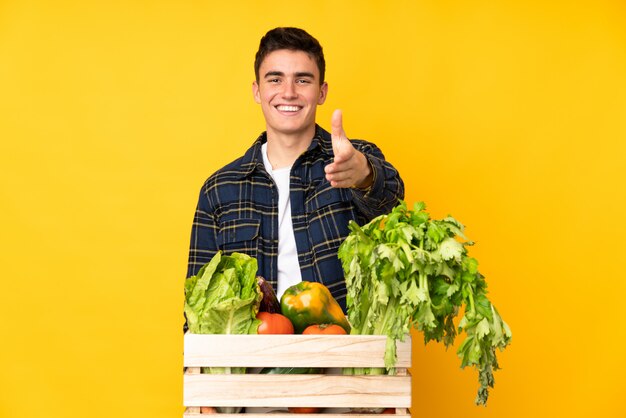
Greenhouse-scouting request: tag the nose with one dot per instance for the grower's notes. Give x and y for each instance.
(289, 91)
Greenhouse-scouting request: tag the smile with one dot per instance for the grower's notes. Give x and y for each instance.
(288, 108)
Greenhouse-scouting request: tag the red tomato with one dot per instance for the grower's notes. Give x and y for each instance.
(324, 329)
(389, 411)
(207, 410)
(274, 323)
(303, 410)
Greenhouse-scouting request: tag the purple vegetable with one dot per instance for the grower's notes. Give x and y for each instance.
(270, 302)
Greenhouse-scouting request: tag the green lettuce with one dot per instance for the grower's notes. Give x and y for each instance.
(223, 298)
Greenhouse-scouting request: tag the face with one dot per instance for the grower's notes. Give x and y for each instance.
(289, 91)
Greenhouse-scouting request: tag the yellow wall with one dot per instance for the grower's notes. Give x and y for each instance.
(509, 116)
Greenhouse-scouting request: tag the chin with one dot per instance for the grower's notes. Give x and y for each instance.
(291, 129)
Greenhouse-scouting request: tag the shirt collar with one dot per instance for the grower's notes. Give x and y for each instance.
(253, 158)
(322, 140)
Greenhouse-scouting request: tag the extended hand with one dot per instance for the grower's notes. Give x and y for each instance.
(350, 167)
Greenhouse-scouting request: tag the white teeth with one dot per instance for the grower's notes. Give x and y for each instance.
(288, 108)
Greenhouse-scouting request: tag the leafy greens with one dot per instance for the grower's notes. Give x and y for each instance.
(406, 270)
(223, 298)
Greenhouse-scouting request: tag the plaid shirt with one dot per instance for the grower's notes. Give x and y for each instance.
(238, 211)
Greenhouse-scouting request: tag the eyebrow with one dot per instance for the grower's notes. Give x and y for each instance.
(281, 74)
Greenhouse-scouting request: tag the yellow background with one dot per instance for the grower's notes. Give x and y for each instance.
(511, 116)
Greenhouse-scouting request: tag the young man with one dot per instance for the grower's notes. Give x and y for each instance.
(289, 199)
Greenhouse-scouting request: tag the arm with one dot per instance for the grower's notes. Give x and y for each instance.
(386, 186)
(203, 245)
(376, 185)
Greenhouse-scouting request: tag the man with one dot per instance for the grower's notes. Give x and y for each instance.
(289, 199)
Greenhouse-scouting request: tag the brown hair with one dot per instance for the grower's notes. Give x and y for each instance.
(293, 39)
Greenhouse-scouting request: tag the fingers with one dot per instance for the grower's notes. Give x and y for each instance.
(341, 145)
(341, 179)
(354, 172)
(336, 123)
(340, 164)
(342, 173)
(344, 169)
(344, 184)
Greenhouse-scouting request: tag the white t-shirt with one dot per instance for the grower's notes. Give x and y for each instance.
(288, 266)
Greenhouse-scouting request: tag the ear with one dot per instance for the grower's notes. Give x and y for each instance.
(323, 93)
(255, 92)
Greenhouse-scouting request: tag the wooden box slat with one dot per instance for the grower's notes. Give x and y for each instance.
(188, 414)
(335, 392)
(260, 390)
(291, 351)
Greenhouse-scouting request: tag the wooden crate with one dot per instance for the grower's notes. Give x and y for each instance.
(281, 391)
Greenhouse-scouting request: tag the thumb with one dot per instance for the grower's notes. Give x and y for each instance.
(337, 133)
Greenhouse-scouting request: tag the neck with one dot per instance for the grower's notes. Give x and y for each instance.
(284, 149)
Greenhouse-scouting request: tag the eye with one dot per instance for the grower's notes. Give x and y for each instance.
(273, 80)
(303, 81)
